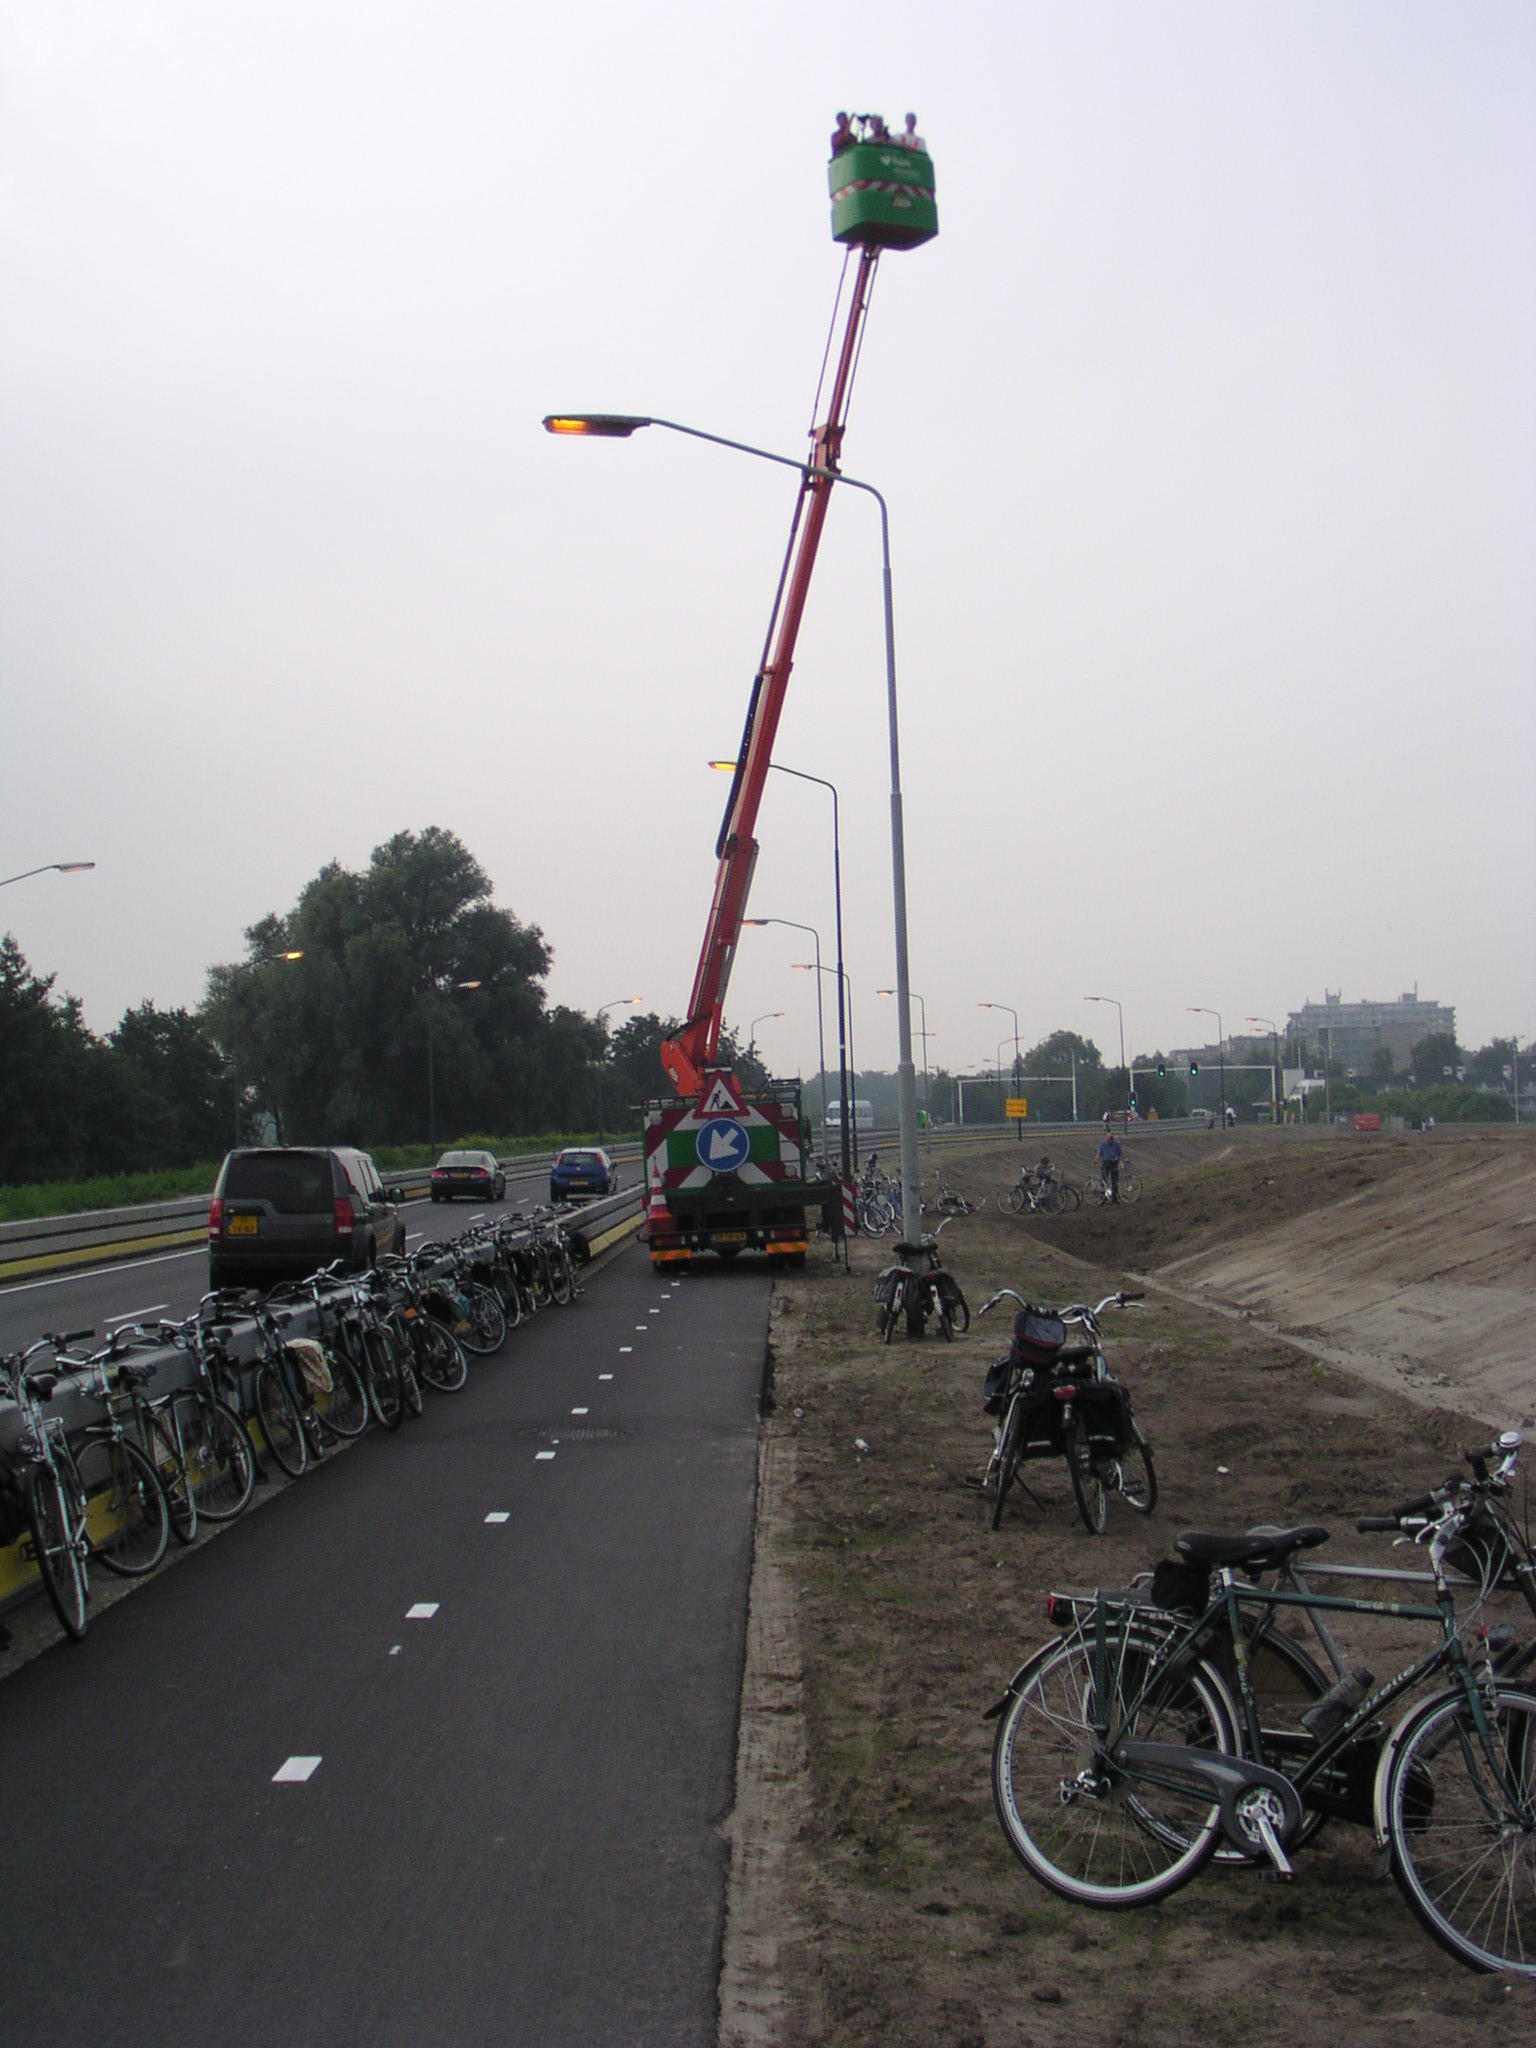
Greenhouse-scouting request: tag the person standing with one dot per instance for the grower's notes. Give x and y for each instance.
(1111, 1152)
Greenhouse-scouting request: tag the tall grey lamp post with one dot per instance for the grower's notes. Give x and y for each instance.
(1199, 1010)
(246, 967)
(451, 988)
(1120, 1012)
(924, 1034)
(837, 913)
(619, 426)
(618, 1003)
(1274, 1070)
(1013, 1013)
(821, 1043)
(51, 867)
(752, 1033)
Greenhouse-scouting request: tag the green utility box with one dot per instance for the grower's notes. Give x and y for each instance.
(882, 196)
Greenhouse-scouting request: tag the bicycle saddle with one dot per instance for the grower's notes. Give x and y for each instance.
(1263, 1549)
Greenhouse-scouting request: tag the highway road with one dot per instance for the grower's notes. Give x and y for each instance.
(172, 1283)
(436, 1744)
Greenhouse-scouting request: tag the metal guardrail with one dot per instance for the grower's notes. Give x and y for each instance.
(93, 1236)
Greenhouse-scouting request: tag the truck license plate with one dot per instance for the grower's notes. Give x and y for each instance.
(730, 1237)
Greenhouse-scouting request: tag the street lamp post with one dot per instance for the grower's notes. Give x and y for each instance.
(438, 987)
(244, 967)
(1198, 1010)
(837, 914)
(1274, 1064)
(845, 991)
(52, 867)
(924, 1034)
(1013, 1013)
(618, 1003)
(620, 426)
(752, 1033)
(821, 1043)
(1120, 1013)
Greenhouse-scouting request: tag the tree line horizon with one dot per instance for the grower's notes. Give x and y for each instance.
(398, 1005)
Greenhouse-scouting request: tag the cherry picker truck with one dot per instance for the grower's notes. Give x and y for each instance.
(727, 1169)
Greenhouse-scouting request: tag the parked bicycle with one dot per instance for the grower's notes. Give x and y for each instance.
(204, 1420)
(1057, 1399)
(1126, 1754)
(45, 1480)
(1040, 1193)
(1096, 1188)
(919, 1287)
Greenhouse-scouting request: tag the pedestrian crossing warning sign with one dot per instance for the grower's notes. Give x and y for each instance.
(720, 1098)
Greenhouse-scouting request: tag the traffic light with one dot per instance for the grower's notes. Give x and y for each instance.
(1194, 1068)
(1131, 1099)
(1162, 1069)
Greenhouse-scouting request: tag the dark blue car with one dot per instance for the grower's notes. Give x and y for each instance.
(581, 1173)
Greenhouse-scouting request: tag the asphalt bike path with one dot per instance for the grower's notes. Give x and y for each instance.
(437, 1743)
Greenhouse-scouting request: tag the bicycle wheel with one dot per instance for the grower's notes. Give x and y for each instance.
(1461, 1821)
(220, 1459)
(440, 1357)
(1090, 1830)
(381, 1376)
(129, 1516)
(345, 1410)
(159, 1444)
(1088, 1487)
(1007, 1459)
(562, 1276)
(893, 1312)
(1130, 1187)
(1138, 1475)
(1068, 1198)
(938, 1308)
(487, 1321)
(281, 1429)
(1012, 1197)
(60, 1565)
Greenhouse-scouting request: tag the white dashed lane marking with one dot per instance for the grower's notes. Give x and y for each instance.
(297, 1771)
(499, 1515)
(422, 1611)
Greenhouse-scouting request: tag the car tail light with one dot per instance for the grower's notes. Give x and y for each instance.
(344, 1218)
(215, 1216)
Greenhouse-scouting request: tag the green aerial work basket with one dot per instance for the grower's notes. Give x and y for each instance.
(882, 196)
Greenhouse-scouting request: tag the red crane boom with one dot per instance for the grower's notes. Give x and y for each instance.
(689, 1056)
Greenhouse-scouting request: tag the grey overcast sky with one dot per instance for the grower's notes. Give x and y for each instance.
(1207, 427)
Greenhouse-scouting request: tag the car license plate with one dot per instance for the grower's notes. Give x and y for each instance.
(244, 1226)
(730, 1237)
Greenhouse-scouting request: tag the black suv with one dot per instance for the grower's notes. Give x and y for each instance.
(281, 1211)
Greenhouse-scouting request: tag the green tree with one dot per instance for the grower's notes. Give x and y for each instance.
(1430, 1058)
(176, 1085)
(63, 1110)
(417, 1003)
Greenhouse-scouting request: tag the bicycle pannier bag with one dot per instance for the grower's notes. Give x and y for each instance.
(1106, 1410)
(1037, 1337)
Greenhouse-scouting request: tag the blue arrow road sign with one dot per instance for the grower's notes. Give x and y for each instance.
(724, 1145)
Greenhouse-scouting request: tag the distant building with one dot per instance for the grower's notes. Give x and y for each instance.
(1352, 1033)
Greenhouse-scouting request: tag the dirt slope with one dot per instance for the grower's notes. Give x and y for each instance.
(874, 1901)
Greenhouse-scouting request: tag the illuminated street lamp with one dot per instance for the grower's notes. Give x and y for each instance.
(924, 1034)
(619, 426)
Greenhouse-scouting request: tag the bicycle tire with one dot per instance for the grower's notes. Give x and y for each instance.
(221, 1460)
(160, 1446)
(1007, 1457)
(563, 1276)
(440, 1357)
(1460, 1816)
(1088, 1487)
(396, 1332)
(282, 1431)
(487, 1321)
(1130, 1187)
(60, 1566)
(1138, 1474)
(939, 1309)
(1013, 1197)
(1070, 1198)
(345, 1413)
(381, 1376)
(126, 1503)
(1085, 1828)
(893, 1311)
